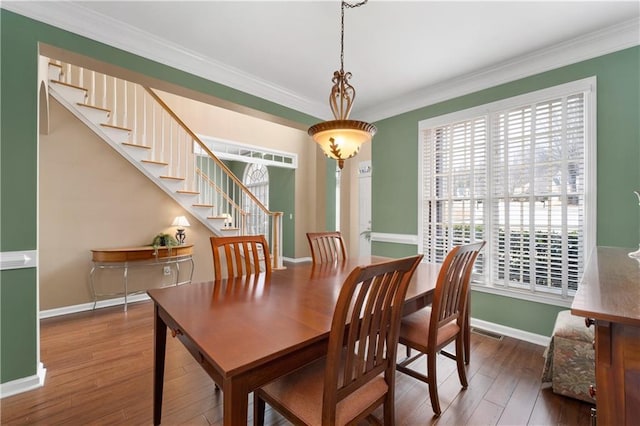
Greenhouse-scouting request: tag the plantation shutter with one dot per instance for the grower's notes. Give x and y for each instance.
(454, 187)
(537, 209)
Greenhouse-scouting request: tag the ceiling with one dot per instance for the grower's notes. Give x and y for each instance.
(402, 54)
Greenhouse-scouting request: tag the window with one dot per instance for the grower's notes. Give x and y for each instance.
(519, 174)
(256, 178)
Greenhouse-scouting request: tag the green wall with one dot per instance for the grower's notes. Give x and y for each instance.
(618, 158)
(19, 39)
(282, 189)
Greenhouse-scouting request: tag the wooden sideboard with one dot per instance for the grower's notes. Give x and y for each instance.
(126, 257)
(609, 297)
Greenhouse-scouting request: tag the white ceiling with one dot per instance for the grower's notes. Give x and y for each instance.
(403, 54)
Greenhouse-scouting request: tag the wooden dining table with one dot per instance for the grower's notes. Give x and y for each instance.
(247, 331)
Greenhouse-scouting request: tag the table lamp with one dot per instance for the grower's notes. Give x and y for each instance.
(181, 222)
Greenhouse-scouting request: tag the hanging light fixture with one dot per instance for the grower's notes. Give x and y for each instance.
(341, 138)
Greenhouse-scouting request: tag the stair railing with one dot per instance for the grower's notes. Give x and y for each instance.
(186, 163)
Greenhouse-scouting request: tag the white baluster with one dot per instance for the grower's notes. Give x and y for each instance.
(92, 97)
(104, 94)
(116, 119)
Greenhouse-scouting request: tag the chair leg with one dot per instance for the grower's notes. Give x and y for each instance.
(258, 410)
(388, 409)
(433, 384)
(466, 332)
(462, 372)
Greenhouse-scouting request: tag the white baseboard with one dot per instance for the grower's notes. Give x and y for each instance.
(536, 339)
(89, 306)
(24, 384)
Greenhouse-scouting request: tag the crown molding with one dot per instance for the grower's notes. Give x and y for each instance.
(82, 21)
(87, 23)
(602, 42)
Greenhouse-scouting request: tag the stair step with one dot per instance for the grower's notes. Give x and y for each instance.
(135, 145)
(94, 107)
(96, 114)
(55, 71)
(111, 126)
(172, 178)
(209, 206)
(186, 192)
(116, 133)
(70, 85)
(73, 94)
(155, 163)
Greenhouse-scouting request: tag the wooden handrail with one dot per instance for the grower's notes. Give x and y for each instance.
(208, 151)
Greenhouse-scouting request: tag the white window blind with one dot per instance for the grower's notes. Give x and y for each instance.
(515, 175)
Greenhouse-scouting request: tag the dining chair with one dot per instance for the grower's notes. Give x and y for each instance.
(240, 255)
(358, 373)
(326, 246)
(430, 329)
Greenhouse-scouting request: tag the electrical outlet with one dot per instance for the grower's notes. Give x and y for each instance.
(166, 270)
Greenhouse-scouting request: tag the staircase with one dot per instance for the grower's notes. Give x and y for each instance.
(135, 122)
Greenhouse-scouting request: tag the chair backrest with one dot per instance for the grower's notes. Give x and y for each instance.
(365, 327)
(326, 246)
(452, 287)
(242, 255)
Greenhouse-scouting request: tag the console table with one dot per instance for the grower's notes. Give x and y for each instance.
(127, 257)
(609, 298)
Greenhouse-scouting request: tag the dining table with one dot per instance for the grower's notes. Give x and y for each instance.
(247, 331)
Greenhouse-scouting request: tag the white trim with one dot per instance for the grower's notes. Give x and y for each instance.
(24, 384)
(587, 85)
(608, 40)
(527, 295)
(18, 259)
(297, 259)
(536, 339)
(382, 237)
(66, 310)
(224, 148)
(80, 20)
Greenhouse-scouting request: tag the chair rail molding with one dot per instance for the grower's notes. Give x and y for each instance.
(18, 259)
(382, 237)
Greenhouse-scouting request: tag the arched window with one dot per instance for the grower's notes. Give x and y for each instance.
(256, 178)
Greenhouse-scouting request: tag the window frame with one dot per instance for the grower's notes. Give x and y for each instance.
(587, 86)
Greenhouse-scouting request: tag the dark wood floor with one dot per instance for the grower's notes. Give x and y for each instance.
(99, 371)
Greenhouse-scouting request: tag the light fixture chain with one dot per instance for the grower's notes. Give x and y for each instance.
(349, 6)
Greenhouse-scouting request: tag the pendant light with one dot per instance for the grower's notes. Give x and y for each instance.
(341, 138)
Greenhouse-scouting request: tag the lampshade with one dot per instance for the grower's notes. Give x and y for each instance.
(341, 138)
(180, 222)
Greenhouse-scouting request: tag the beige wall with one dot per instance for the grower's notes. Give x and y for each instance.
(91, 197)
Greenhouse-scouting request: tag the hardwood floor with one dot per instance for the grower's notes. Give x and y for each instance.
(99, 371)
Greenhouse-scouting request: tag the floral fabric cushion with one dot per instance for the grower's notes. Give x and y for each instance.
(570, 358)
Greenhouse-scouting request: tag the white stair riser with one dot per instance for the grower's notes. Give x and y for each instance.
(138, 154)
(117, 135)
(173, 185)
(186, 199)
(155, 169)
(96, 116)
(55, 73)
(71, 94)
